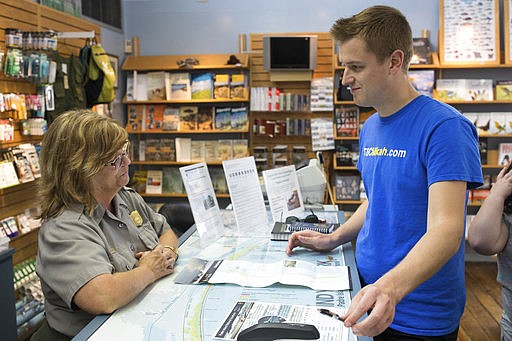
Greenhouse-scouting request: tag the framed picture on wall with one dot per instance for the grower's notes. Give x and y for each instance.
(469, 32)
(507, 19)
(114, 61)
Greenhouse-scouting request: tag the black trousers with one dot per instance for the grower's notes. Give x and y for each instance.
(394, 335)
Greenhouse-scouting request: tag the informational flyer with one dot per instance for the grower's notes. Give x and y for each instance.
(283, 192)
(246, 314)
(246, 196)
(260, 275)
(203, 202)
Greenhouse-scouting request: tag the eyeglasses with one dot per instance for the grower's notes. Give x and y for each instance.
(311, 218)
(118, 161)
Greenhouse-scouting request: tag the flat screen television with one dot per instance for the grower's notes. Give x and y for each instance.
(289, 53)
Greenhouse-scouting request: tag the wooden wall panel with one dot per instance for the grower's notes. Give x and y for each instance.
(29, 16)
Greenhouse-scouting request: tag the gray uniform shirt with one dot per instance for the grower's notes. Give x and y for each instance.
(74, 247)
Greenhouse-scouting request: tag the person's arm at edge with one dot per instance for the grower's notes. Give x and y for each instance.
(322, 242)
(487, 233)
(445, 226)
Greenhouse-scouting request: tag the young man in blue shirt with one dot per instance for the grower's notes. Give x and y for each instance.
(418, 158)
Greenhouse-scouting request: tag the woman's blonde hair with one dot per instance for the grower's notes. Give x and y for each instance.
(76, 146)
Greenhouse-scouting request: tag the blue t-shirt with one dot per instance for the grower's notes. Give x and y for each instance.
(400, 157)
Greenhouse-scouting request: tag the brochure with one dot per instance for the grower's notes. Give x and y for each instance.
(259, 275)
(246, 314)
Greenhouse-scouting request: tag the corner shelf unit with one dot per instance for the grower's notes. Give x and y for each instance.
(169, 63)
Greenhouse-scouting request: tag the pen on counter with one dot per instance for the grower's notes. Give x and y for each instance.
(330, 313)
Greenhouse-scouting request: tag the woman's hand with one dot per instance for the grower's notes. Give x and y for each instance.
(312, 240)
(160, 261)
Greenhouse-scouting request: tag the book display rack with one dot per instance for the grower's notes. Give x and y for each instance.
(200, 114)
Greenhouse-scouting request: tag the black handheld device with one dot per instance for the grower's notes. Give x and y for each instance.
(276, 331)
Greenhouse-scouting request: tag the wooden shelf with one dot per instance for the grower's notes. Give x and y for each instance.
(176, 195)
(169, 62)
(192, 132)
(190, 101)
(174, 163)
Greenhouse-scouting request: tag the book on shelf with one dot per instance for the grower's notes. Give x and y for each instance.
(154, 114)
(504, 153)
(221, 86)
(154, 182)
(140, 86)
(197, 151)
(421, 51)
(8, 176)
(156, 85)
(464, 89)
(205, 118)
(138, 180)
(283, 231)
(218, 178)
(240, 148)
(30, 152)
(129, 87)
(22, 164)
(183, 146)
(167, 149)
(498, 123)
(347, 187)
(347, 153)
(225, 149)
(238, 86)
(504, 90)
(172, 182)
(136, 119)
(347, 121)
(222, 118)
(177, 86)
(483, 123)
(423, 81)
(202, 86)
(239, 118)
(171, 120)
(152, 150)
(210, 150)
(188, 118)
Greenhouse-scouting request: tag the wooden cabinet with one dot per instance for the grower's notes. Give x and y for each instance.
(160, 146)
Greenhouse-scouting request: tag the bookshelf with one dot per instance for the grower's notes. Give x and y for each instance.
(489, 142)
(284, 127)
(205, 139)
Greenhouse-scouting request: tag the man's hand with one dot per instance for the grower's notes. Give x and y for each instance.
(382, 311)
(310, 239)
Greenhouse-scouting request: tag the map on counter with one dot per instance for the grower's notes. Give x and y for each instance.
(251, 274)
(169, 311)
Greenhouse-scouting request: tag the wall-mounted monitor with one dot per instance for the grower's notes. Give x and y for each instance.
(289, 53)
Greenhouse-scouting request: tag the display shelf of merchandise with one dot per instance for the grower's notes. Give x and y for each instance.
(170, 62)
(186, 132)
(177, 195)
(190, 101)
(175, 163)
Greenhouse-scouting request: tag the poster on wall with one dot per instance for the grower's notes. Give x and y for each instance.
(469, 32)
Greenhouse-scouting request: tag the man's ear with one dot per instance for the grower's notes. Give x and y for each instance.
(396, 60)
